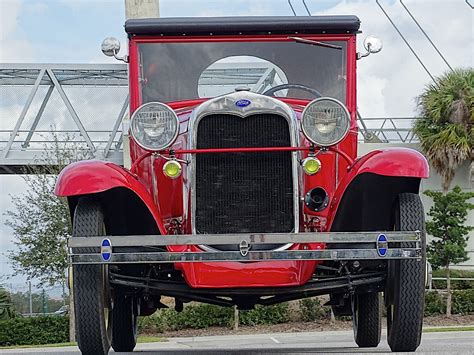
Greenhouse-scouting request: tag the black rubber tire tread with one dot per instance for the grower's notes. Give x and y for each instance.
(93, 337)
(408, 278)
(124, 327)
(368, 324)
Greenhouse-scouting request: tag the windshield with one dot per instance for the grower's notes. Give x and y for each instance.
(183, 71)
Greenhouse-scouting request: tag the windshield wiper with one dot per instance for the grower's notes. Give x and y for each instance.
(315, 43)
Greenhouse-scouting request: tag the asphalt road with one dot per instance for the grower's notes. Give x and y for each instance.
(282, 343)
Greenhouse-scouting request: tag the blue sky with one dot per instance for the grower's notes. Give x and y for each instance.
(65, 31)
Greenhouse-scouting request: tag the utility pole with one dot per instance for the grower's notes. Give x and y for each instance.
(136, 9)
(31, 298)
(142, 9)
(64, 293)
(44, 300)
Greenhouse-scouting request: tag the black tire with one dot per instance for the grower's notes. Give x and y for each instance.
(367, 319)
(91, 292)
(124, 327)
(405, 294)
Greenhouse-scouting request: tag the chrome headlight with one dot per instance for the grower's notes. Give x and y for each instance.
(325, 121)
(154, 126)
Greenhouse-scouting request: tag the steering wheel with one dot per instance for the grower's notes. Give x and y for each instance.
(274, 89)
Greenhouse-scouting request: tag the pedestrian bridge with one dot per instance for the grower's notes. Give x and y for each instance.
(46, 108)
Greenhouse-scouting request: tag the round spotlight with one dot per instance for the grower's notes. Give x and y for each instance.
(172, 169)
(311, 165)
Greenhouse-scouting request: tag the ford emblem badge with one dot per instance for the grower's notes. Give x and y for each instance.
(242, 103)
(382, 245)
(106, 249)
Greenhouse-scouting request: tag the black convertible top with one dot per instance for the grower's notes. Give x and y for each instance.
(179, 26)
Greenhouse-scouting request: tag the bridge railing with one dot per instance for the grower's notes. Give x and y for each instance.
(387, 129)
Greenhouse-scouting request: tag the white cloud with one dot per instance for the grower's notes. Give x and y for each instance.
(8, 17)
(389, 82)
(13, 47)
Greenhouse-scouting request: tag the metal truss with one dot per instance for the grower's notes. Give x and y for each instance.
(387, 130)
(33, 89)
(17, 150)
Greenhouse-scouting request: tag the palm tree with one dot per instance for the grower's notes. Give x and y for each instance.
(446, 128)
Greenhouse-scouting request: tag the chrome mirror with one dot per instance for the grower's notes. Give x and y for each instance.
(372, 44)
(110, 47)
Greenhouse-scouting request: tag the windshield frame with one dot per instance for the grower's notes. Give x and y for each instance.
(134, 85)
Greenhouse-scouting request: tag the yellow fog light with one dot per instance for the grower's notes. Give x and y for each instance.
(172, 169)
(311, 165)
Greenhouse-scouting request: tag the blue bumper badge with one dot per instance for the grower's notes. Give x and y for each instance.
(382, 245)
(106, 249)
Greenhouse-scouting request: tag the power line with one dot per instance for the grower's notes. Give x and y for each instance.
(306, 7)
(406, 42)
(467, 2)
(291, 6)
(426, 35)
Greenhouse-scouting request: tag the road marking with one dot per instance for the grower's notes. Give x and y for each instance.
(275, 340)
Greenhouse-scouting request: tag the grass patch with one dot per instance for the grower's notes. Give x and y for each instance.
(449, 329)
(57, 345)
(141, 339)
(150, 339)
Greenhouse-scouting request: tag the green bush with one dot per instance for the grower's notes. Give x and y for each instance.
(455, 284)
(205, 315)
(34, 331)
(434, 304)
(275, 314)
(200, 316)
(311, 310)
(463, 302)
(192, 316)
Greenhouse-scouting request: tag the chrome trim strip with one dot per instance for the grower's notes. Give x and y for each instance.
(260, 104)
(226, 256)
(231, 239)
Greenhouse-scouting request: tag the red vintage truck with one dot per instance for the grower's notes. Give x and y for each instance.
(245, 186)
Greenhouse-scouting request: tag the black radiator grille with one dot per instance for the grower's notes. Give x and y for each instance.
(244, 192)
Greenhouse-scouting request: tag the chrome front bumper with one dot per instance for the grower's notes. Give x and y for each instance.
(366, 246)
